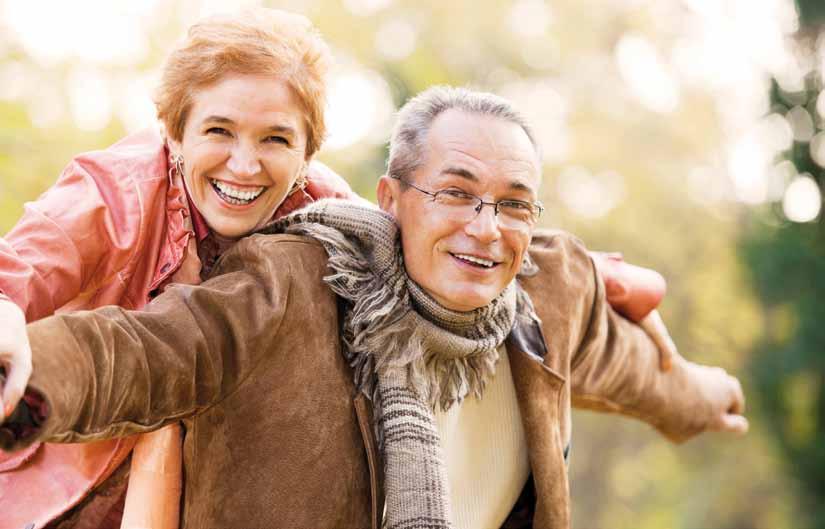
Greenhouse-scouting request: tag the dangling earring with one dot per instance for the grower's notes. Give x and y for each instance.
(177, 164)
(300, 185)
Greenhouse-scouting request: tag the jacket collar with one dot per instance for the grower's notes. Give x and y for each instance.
(526, 336)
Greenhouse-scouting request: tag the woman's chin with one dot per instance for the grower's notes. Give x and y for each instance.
(231, 228)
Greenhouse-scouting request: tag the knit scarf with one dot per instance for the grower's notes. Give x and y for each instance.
(409, 354)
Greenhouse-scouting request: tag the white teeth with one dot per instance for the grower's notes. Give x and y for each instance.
(235, 192)
(477, 260)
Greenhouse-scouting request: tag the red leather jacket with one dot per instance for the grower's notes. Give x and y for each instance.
(114, 228)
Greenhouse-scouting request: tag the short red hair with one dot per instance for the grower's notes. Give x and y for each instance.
(256, 41)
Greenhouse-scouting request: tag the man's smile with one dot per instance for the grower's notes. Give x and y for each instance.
(475, 260)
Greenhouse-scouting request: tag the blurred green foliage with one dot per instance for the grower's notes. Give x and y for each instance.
(788, 366)
(811, 12)
(786, 262)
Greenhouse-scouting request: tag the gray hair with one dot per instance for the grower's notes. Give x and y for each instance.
(407, 152)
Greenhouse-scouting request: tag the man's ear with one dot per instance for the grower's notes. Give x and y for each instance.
(388, 193)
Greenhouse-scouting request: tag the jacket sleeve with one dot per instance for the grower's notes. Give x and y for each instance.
(615, 366)
(79, 234)
(112, 372)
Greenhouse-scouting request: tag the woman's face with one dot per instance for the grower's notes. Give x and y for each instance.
(243, 148)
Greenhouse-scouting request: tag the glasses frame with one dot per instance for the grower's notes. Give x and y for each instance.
(536, 214)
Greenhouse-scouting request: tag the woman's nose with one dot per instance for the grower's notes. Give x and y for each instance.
(243, 161)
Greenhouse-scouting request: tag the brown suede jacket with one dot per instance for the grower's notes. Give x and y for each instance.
(276, 435)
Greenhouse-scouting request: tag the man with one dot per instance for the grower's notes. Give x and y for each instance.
(375, 367)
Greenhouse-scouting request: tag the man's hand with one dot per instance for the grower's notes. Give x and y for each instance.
(15, 356)
(723, 390)
(725, 397)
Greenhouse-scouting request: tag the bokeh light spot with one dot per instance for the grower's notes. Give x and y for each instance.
(359, 102)
(646, 74)
(590, 195)
(803, 200)
(747, 164)
(529, 18)
(54, 31)
(817, 148)
(801, 123)
(366, 7)
(395, 40)
(547, 111)
(90, 101)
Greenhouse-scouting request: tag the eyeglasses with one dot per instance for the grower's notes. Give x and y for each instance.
(464, 207)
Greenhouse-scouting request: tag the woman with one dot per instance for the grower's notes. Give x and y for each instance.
(241, 102)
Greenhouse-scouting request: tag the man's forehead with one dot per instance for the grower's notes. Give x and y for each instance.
(475, 147)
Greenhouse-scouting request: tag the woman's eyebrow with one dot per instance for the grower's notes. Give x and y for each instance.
(282, 129)
(218, 119)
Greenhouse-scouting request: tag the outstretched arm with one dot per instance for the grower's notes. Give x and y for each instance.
(617, 369)
(112, 372)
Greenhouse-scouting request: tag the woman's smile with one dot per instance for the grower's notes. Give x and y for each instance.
(236, 195)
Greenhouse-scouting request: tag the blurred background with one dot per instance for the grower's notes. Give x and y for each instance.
(686, 134)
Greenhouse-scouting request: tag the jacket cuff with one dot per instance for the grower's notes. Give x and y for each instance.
(24, 426)
(687, 409)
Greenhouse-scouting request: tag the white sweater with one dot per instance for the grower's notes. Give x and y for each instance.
(485, 453)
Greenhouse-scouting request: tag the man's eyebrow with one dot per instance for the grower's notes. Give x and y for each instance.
(520, 186)
(463, 173)
(515, 185)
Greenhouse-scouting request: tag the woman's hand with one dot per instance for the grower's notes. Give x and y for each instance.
(635, 292)
(656, 330)
(15, 355)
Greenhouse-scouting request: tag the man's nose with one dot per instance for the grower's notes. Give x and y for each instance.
(244, 161)
(484, 226)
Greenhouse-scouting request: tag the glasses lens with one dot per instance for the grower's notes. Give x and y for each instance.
(516, 214)
(452, 197)
(456, 204)
(464, 207)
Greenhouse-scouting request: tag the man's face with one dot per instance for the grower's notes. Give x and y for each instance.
(465, 264)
